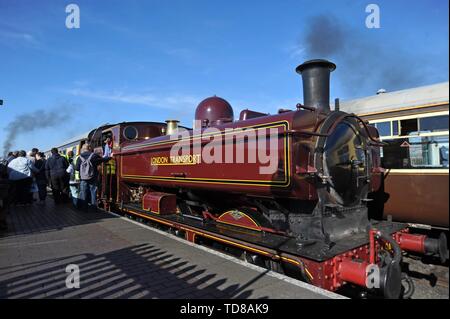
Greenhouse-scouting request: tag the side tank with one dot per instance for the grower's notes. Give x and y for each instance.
(264, 156)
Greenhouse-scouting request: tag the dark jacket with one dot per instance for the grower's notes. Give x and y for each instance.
(4, 169)
(4, 182)
(41, 177)
(56, 165)
(95, 160)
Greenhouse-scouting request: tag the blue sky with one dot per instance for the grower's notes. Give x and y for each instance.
(154, 60)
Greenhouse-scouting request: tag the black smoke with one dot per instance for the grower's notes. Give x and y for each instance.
(365, 63)
(325, 36)
(31, 122)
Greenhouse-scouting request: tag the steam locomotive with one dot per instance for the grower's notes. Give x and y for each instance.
(302, 209)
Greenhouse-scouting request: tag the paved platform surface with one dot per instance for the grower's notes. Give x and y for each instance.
(121, 259)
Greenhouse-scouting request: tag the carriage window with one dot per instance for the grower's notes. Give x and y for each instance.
(416, 152)
(130, 133)
(105, 136)
(409, 127)
(394, 127)
(434, 123)
(384, 128)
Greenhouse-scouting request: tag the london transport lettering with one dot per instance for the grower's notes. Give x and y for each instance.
(176, 160)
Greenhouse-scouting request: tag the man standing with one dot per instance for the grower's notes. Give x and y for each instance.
(34, 190)
(87, 164)
(41, 178)
(55, 168)
(4, 194)
(19, 172)
(74, 181)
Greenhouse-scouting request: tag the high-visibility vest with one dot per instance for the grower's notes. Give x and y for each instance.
(77, 173)
(111, 167)
(66, 157)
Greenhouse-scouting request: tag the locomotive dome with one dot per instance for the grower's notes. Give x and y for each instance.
(213, 111)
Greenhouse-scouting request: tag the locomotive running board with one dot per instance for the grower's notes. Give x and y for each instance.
(264, 243)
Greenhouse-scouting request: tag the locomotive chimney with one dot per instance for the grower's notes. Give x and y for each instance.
(316, 83)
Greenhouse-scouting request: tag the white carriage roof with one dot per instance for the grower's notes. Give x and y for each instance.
(397, 100)
(75, 138)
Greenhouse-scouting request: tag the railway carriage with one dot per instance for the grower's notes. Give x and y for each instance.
(413, 124)
(74, 144)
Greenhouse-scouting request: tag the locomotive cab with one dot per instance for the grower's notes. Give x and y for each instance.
(116, 136)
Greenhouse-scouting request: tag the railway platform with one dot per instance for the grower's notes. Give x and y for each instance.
(120, 258)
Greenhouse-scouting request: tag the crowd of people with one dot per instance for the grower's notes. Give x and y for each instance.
(24, 178)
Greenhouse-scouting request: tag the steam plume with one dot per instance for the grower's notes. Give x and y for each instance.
(364, 64)
(34, 121)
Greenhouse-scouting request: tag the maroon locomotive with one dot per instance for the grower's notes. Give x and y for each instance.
(289, 191)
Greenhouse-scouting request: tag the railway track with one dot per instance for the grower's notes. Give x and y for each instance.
(430, 278)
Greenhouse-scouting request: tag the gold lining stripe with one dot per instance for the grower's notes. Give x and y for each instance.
(149, 217)
(201, 179)
(211, 134)
(206, 181)
(228, 241)
(287, 164)
(293, 261)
